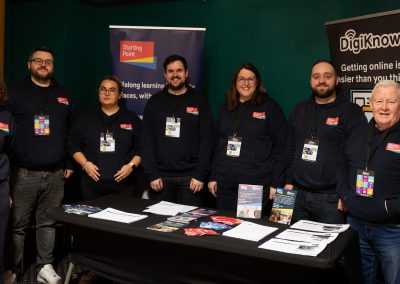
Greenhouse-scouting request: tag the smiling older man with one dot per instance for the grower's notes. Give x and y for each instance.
(373, 186)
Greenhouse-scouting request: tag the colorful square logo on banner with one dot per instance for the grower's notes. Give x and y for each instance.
(333, 121)
(4, 127)
(395, 148)
(259, 115)
(138, 53)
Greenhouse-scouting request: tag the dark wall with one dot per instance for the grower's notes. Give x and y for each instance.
(282, 38)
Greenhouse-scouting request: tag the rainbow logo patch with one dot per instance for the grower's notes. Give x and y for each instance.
(333, 121)
(395, 148)
(259, 115)
(192, 110)
(126, 126)
(138, 53)
(63, 101)
(4, 127)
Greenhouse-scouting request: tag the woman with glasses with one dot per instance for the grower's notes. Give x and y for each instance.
(6, 138)
(105, 142)
(250, 134)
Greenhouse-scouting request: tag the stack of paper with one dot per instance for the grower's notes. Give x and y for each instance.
(303, 248)
(117, 215)
(320, 227)
(249, 231)
(168, 208)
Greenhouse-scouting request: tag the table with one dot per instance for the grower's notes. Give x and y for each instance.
(130, 253)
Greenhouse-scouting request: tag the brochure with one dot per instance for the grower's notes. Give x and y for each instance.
(249, 204)
(294, 247)
(81, 209)
(320, 227)
(282, 208)
(306, 236)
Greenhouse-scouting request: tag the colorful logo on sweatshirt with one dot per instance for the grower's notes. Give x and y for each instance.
(4, 127)
(192, 110)
(333, 121)
(138, 53)
(63, 101)
(126, 126)
(395, 148)
(259, 115)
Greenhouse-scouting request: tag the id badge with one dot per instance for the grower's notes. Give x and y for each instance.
(173, 127)
(234, 145)
(107, 142)
(41, 125)
(310, 150)
(365, 183)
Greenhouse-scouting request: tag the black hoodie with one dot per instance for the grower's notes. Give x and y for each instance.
(334, 125)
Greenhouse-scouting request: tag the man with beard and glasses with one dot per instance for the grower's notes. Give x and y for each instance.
(177, 138)
(320, 129)
(43, 112)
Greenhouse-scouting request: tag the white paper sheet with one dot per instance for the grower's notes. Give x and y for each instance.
(168, 208)
(249, 231)
(320, 227)
(117, 215)
(303, 248)
(307, 236)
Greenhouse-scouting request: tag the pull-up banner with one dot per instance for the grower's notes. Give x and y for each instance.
(365, 50)
(138, 53)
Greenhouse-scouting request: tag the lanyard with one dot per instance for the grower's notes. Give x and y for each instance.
(170, 102)
(45, 92)
(313, 126)
(371, 150)
(239, 116)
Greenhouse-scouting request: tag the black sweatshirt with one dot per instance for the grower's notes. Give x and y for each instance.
(262, 129)
(188, 155)
(334, 126)
(7, 130)
(47, 151)
(84, 137)
(385, 162)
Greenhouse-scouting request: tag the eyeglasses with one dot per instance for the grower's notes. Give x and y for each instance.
(111, 91)
(251, 81)
(40, 61)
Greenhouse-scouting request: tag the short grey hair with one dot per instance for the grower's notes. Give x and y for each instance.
(386, 84)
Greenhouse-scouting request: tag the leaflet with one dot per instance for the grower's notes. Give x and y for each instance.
(294, 247)
(112, 214)
(306, 236)
(249, 231)
(249, 204)
(168, 208)
(320, 227)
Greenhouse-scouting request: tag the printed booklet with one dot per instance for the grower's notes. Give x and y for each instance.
(249, 201)
(282, 208)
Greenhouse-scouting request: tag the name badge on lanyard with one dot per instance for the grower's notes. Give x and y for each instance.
(173, 127)
(107, 142)
(310, 150)
(233, 147)
(41, 125)
(365, 183)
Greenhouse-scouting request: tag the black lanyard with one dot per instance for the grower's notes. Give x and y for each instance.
(45, 92)
(314, 124)
(371, 150)
(170, 102)
(238, 117)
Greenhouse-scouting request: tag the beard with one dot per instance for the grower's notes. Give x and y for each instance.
(177, 87)
(41, 77)
(322, 94)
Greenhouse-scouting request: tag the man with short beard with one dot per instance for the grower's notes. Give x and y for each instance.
(318, 133)
(43, 112)
(177, 138)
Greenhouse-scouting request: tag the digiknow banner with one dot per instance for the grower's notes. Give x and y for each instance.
(365, 50)
(138, 53)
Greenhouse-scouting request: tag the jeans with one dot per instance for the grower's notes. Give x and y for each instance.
(227, 197)
(4, 211)
(32, 190)
(176, 189)
(318, 207)
(379, 246)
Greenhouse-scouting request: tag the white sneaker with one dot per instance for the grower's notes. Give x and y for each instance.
(9, 277)
(48, 275)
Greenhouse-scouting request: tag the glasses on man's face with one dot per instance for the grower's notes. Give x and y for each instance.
(111, 91)
(250, 81)
(40, 62)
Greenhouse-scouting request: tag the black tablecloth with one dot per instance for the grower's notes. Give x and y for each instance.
(130, 253)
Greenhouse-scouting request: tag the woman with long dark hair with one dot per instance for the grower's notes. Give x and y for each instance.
(250, 133)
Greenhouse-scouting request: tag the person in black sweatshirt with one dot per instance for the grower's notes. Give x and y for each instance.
(44, 112)
(7, 129)
(250, 138)
(105, 142)
(177, 138)
(371, 187)
(320, 129)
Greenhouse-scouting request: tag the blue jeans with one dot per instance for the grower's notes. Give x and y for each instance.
(32, 190)
(379, 246)
(318, 207)
(4, 211)
(176, 189)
